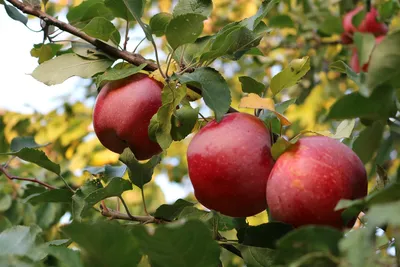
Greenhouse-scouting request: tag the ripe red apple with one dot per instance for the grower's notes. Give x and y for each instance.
(368, 24)
(309, 179)
(122, 114)
(229, 163)
(354, 62)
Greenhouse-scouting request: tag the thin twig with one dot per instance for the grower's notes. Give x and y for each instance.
(144, 202)
(33, 180)
(134, 50)
(113, 214)
(169, 62)
(66, 184)
(126, 31)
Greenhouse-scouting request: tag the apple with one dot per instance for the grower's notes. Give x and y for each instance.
(309, 179)
(229, 163)
(368, 25)
(354, 62)
(122, 114)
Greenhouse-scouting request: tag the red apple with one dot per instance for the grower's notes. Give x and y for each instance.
(310, 178)
(354, 62)
(122, 114)
(229, 163)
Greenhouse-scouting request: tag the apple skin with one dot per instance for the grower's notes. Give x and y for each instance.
(229, 163)
(368, 25)
(309, 179)
(122, 114)
(354, 64)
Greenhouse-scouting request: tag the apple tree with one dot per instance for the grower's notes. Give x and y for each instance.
(278, 118)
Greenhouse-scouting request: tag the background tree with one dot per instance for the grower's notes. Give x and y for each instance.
(284, 61)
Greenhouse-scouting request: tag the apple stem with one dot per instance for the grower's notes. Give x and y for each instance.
(144, 201)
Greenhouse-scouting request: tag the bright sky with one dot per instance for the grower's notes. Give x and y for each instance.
(22, 93)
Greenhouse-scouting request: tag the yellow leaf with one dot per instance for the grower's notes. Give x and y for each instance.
(157, 75)
(255, 101)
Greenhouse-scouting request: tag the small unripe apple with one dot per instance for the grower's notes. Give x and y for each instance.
(309, 179)
(354, 62)
(122, 114)
(229, 163)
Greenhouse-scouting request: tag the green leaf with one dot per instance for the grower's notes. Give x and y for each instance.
(212, 219)
(80, 15)
(139, 173)
(136, 7)
(119, 10)
(107, 172)
(201, 7)
(59, 69)
(331, 25)
(14, 13)
(282, 107)
(102, 29)
(183, 122)
(385, 59)
(192, 242)
(359, 17)
(184, 29)
(281, 21)
(87, 50)
(4, 223)
(190, 53)
(45, 52)
(249, 85)
(385, 213)
(214, 88)
(117, 74)
(257, 257)
(78, 199)
(254, 21)
(358, 78)
(160, 125)
(170, 212)
(365, 43)
(368, 141)
(159, 22)
(68, 257)
(21, 241)
(344, 129)
(104, 243)
(290, 75)
(18, 143)
(114, 188)
(5, 201)
(379, 105)
(255, 235)
(37, 157)
(56, 195)
(280, 146)
(305, 240)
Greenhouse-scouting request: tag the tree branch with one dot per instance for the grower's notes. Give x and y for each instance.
(113, 214)
(33, 180)
(134, 59)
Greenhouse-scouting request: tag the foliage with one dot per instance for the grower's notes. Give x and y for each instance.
(67, 201)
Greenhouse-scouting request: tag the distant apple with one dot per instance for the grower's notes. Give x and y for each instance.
(229, 163)
(354, 62)
(122, 115)
(310, 178)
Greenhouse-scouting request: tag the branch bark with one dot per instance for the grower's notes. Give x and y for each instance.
(33, 180)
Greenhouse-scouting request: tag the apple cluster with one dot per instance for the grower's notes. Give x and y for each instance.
(369, 24)
(230, 163)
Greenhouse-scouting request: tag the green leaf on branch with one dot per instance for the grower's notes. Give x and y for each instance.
(170, 212)
(118, 8)
(254, 21)
(213, 219)
(192, 242)
(331, 25)
(107, 172)
(139, 173)
(45, 52)
(37, 157)
(117, 74)
(78, 199)
(379, 105)
(190, 53)
(56, 195)
(381, 214)
(68, 257)
(160, 125)
(280, 146)
(184, 29)
(367, 143)
(365, 43)
(98, 243)
(358, 78)
(87, 50)
(281, 21)
(19, 143)
(215, 89)
(14, 13)
(59, 69)
(385, 59)
(290, 75)
(306, 240)
(114, 188)
(256, 256)
(201, 7)
(82, 14)
(102, 29)
(159, 22)
(183, 122)
(136, 7)
(249, 85)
